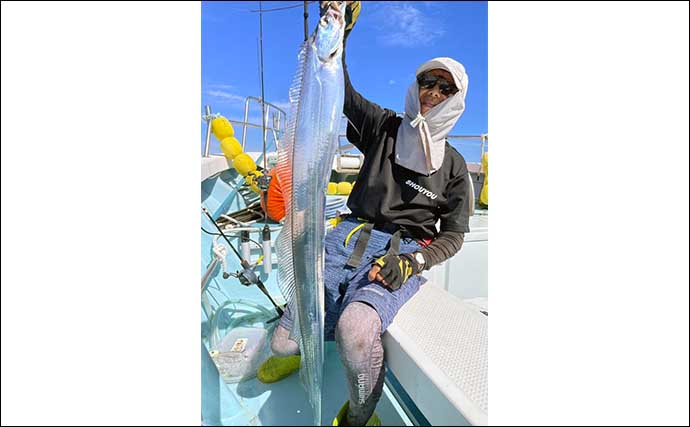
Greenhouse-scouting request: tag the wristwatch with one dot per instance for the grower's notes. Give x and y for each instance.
(420, 260)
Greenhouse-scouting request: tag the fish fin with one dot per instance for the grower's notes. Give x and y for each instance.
(286, 143)
(283, 168)
(286, 273)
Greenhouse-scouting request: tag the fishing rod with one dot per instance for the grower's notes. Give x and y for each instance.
(264, 180)
(247, 276)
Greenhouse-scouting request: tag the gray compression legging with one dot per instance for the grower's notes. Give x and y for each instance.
(358, 338)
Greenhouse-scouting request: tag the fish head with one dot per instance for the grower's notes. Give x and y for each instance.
(330, 32)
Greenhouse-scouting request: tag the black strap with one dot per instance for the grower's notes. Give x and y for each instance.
(363, 241)
(360, 246)
(395, 243)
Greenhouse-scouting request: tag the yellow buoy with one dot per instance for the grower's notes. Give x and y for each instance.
(243, 164)
(221, 128)
(231, 147)
(332, 188)
(344, 188)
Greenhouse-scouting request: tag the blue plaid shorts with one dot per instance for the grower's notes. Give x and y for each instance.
(345, 284)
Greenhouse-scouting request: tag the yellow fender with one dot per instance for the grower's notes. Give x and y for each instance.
(243, 164)
(221, 128)
(231, 147)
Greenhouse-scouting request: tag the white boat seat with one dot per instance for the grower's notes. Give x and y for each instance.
(437, 348)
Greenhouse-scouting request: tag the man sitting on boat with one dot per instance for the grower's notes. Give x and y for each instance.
(411, 179)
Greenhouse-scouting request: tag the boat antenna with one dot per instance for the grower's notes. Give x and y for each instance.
(306, 21)
(261, 70)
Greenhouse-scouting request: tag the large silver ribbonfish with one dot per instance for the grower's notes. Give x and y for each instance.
(305, 159)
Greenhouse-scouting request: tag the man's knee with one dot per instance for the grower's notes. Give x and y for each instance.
(358, 327)
(281, 344)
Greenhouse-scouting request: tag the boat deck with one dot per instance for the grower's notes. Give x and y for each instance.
(409, 383)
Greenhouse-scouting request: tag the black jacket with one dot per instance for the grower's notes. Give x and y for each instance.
(386, 192)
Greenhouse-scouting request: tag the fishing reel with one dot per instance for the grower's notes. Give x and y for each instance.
(247, 276)
(261, 180)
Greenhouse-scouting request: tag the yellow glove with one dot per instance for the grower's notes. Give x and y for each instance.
(394, 270)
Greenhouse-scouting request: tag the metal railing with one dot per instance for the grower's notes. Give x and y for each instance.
(209, 274)
(483, 138)
(279, 125)
(207, 118)
(276, 128)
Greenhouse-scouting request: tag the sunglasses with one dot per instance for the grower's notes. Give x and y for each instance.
(427, 81)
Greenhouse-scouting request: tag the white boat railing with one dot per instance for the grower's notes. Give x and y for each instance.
(278, 119)
(279, 125)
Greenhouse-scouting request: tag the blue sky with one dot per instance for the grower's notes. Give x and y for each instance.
(390, 40)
